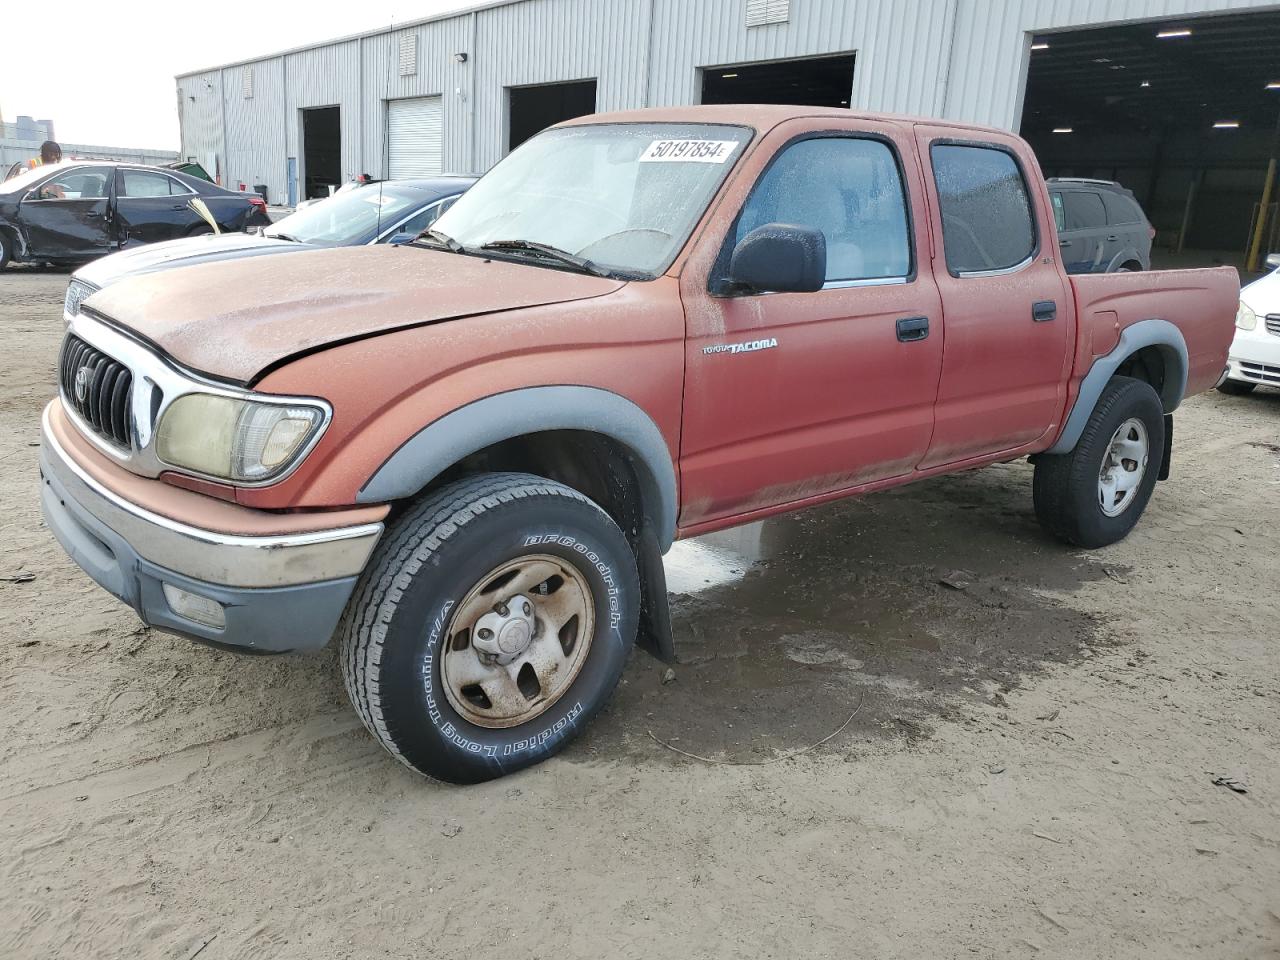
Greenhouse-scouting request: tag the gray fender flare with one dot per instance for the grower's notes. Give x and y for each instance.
(504, 416)
(1160, 334)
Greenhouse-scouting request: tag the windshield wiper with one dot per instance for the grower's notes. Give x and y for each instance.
(546, 250)
(441, 239)
(283, 236)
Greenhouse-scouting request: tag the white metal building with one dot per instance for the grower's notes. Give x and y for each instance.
(454, 93)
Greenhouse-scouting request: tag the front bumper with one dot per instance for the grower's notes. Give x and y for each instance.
(277, 593)
(1255, 356)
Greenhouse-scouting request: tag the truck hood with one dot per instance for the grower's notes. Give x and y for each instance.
(180, 253)
(234, 319)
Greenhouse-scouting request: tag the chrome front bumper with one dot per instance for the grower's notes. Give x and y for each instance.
(280, 592)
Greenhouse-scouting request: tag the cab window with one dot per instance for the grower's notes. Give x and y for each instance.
(851, 189)
(986, 211)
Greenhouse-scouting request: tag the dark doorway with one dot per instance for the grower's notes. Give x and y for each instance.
(321, 150)
(1185, 120)
(535, 108)
(813, 82)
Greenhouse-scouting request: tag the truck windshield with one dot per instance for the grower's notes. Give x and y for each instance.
(622, 196)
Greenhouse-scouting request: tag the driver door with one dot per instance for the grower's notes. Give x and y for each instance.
(68, 216)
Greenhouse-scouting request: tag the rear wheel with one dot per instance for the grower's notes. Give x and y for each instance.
(491, 624)
(1237, 388)
(1094, 495)
(6, 249)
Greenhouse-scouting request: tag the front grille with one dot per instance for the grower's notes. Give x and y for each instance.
(97, 388)
(1260, 372)
(1273, 323)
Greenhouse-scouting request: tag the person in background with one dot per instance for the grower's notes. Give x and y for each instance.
(50, 152)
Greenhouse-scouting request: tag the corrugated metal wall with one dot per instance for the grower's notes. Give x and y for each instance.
(964, 59)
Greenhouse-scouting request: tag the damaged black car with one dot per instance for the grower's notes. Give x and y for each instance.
(77, 210)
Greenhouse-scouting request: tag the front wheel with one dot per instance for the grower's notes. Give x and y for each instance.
(491, 625)
(1094, 495)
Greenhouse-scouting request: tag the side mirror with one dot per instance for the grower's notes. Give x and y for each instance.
(1273, 261)
(780, 258)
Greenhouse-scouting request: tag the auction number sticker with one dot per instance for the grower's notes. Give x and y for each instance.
(688, 151)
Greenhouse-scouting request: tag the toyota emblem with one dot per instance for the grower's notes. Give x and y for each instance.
(82, 384)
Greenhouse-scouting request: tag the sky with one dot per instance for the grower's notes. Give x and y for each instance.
(103, 71)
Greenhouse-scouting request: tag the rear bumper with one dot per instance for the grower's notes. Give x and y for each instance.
(276, 593)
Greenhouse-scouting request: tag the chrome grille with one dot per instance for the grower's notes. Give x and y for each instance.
(1273, 323)
(97, 387)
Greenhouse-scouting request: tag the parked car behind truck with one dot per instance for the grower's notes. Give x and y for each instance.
(1101, 226)
(388, 211)
(78, 210)
(1255, 350)
(465, 457)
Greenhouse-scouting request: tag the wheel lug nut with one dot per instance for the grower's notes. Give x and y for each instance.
(486, 633)
(501, 608)
(528, 608)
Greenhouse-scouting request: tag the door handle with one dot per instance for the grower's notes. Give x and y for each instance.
(1112, 239)
(178, 206)
(1064, 243)
(913, 328)
(1044, 310)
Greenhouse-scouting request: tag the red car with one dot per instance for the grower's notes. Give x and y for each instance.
(464, 457)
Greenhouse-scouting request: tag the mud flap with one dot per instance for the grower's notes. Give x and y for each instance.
(1168, 448)
(655, 635)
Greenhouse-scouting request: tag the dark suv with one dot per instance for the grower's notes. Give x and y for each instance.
(1101, 227)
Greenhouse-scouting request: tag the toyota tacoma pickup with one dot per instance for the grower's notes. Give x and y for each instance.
(463, 458)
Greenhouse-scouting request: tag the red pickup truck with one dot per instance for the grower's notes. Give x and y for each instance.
(466, 455)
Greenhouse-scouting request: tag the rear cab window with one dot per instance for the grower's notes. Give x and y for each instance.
(985, 206)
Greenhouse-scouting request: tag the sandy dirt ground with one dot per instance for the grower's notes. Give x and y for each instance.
(1030, 772)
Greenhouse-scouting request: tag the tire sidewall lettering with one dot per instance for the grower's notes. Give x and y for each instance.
(561, 719)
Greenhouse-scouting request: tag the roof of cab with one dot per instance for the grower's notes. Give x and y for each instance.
(761, 116)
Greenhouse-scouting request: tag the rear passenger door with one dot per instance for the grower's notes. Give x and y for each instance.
(1008, 311)
(1083, 240)
(150, 206)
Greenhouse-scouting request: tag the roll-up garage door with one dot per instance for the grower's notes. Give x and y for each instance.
(415, 137)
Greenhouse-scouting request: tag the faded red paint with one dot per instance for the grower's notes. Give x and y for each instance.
(839, 407)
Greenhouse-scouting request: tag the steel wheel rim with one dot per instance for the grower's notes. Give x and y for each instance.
(530, 657)
(1123, 467)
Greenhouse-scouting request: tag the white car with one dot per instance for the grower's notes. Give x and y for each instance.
(1255, 351)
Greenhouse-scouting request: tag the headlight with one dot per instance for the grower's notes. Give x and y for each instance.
(1246, 319)
(233, 439)
(78, 291)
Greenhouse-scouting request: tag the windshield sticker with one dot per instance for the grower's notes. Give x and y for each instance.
(378, 200)
(688, 151)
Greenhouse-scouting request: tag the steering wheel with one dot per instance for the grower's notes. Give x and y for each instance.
(660, 235)
(962, 225)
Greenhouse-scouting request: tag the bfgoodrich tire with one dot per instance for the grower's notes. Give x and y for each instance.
(492, 623)
(1093, 496)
